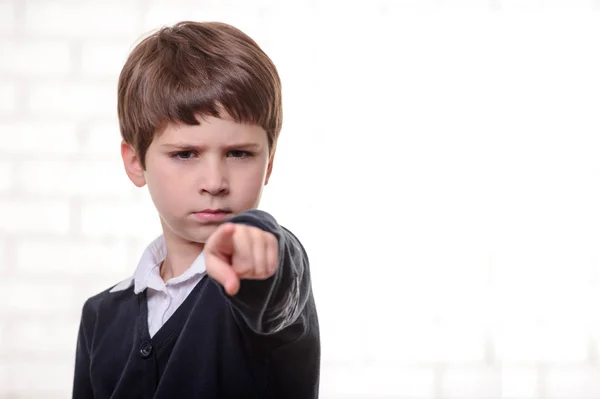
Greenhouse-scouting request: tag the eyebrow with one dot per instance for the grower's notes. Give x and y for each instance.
(185, 146)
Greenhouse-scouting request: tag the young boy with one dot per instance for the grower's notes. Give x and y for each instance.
(220, 305)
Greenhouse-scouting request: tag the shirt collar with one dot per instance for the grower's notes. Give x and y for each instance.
(147, 273)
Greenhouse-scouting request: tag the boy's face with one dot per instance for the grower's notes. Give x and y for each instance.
(198, 176)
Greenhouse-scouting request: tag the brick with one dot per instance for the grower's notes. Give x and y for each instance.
(373, 381)
(40, 378)
(521, 4)
(38, 138)
(244, 16)
(520, 382)
(73, 100)
(68, 178)
(103, 138)
(30, 216)
(529, 343)
(25, 334)
(3, 376)
(72, 257)
(344, 333)
(104, 59)
(3, 266)
(573, 383)
(471, 384)
(566, 4)
(89, 19)
(35, 58)
(407, 5)
(120, 219)
(408, 341)
(44, 297)
(8, 20)
(6, 176)
(3, 328)
(8, 97)
(464, 4)
(545, 306)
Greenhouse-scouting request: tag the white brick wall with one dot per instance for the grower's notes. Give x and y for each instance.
(7, 17)
(8, 97)
(101, 139)
(111, 19)
(35, 216)
(377, 380)
(3, 260)
(472, 383)
(573, 382)
(520, 382)
(102, 59)
(36, 296)
(3, 375)
(6, 176)
(91, 179)
(51, 138)
(78, 100)
(38, 378)
(79, 258)
(23, 57)
(450, 206)
(57, 333)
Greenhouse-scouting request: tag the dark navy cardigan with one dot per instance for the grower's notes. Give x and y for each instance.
(261, 343)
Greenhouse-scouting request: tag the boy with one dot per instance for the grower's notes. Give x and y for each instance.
(220, 305)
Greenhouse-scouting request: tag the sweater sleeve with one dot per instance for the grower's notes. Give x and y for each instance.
(272, 305)
(82, 385)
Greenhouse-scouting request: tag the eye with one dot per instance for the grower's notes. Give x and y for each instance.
(183, 154)
(239, 154)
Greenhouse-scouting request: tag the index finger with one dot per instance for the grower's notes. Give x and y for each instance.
(220, 271)
(221, 241)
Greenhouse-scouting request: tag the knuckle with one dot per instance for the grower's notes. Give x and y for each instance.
(273, 240)
(264, 274)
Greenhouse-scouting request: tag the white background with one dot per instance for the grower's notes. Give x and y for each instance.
(439, 160)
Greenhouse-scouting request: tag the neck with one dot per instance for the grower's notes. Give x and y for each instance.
(180, 256)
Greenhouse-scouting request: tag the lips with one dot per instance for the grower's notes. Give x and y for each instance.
(211, 215)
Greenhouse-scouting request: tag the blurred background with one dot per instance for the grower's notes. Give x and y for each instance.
(439, 161)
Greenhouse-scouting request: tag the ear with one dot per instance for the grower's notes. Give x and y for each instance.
(133, 166)
(270, 167)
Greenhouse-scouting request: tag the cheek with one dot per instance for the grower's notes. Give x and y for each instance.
(164, 173)
(157, 181)
(249, 185)
(163, 184)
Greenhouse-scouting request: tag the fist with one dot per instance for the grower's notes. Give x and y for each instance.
(237, 251)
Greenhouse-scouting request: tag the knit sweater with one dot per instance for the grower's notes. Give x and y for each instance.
(261, 343)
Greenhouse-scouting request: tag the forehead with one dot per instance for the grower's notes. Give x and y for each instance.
(212, 130)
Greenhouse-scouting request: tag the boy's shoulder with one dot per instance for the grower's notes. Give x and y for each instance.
(114, 292)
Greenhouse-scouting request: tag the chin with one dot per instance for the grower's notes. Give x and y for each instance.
(200, 234)
(190, 231)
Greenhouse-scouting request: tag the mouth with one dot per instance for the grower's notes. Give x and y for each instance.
(214, 211)
(212, 215)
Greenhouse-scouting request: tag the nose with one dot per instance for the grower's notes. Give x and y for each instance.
(214, 179)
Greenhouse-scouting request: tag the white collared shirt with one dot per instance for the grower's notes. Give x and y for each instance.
(163, 298)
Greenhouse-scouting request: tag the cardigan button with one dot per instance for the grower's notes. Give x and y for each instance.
(146, 350)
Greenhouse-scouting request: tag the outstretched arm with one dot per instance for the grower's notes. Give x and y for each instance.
(263, 268)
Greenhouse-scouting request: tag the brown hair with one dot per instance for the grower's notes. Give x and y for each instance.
(195, 69)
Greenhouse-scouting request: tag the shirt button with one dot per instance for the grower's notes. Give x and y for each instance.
(146, 350)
